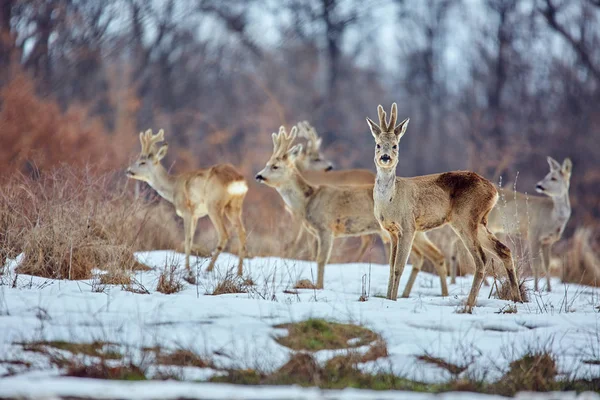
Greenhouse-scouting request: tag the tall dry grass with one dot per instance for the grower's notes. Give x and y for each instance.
(68, 221)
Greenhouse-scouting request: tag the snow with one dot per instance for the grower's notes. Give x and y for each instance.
(239, 328)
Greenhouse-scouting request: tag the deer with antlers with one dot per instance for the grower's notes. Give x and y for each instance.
(329, 211)
(217, 191)
(405, 206)
(541, 220)
(314, 167)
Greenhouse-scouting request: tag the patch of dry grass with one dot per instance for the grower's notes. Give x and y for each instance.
(304, 284)
(69, 221)
(94, 349)
(169, 281)
(440, 362)
(318, 334)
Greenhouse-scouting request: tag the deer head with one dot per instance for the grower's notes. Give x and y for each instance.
(280, 166)
(145, 166)
(310, 158)
(556, 182)
(387, 136)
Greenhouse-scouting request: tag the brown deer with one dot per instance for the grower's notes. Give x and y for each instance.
(217, 191)
(540, 220)
(315, 168)
(329, 211)
(405, 206)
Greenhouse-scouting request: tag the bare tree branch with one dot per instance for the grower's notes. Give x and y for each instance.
(549, 13)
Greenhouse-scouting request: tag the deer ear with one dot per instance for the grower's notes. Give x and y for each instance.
(162, 152)
(567, 167)
(294, 151)
(400, 130)
(375, 129)
(554, 165)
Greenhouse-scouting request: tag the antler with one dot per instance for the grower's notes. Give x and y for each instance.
(147, 139)
(282, 141)
(383, 124)
(308, 132)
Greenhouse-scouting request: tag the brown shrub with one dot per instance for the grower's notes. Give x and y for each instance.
(230, 284)
(169, 281)
(116, 277)
(35, 131)
(69, 221)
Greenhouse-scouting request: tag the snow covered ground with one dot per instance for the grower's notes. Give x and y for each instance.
(236, 330)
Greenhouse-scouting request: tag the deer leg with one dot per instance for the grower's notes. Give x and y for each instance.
(491, 243)
(235, 217)
(545, 262)
(404, 246)
(216, 217)
(454, 262)
(473, 246)
(299, 229)
(385, 239)
(416, 268)
(324, 243)
(187, 241)
(365, 242)
(393, 254)
(433, 254)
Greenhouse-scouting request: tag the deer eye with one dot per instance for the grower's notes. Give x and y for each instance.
(394, 147)
(142, 162)
(274, 167)
(553, 179)
(378, 146)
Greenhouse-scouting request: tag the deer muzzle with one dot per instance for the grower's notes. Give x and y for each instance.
(260, 178)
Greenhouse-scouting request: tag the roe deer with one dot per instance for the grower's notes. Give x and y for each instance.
(542, 220)
(315, 168)
(405, 206)
(329, 211)
(217, 191)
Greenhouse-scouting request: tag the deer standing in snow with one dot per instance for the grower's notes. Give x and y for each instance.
(405, 206)
(329, 211)
(315, 168)
(217, 191)
(540, 220)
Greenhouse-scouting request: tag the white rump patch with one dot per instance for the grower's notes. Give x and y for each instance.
(237, 188)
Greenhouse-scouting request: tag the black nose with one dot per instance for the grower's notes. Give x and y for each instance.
(539, 187)
(329, 168)
(260, 178)
(385, 158)
(129, 172)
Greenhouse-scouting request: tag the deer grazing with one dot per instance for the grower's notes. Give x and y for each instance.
(405, 206)
(217, 191)
(541, 220)
(329, 211)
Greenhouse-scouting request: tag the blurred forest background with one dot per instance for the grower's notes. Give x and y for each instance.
(492, 86)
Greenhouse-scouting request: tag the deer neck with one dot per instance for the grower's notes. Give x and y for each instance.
(163, 183)
(385, 185)
(561, 210)
(296, 193)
